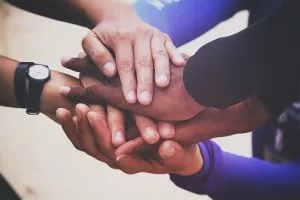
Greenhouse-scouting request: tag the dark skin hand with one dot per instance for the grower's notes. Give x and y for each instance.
(110, 91)
(151, 130)
(204, 124)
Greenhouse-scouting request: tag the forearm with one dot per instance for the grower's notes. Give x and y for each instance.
(229, 176)
(175, 18)
(262, 59)
(80, 12)
(7, 72)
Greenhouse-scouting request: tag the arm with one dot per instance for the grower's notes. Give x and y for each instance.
(185, 20)
(76, 11)
(229, 176)
(7, 72)
(50, 90)
(262, 59)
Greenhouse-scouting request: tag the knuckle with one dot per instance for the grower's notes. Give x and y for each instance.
(144, 30)
(144, 62)
(125, 65)
(90, 92)
(160, 53)
(123, 33)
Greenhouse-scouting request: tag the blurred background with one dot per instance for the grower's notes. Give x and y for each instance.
(36, 157)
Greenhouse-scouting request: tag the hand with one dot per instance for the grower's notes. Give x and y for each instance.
(137, 48)
(89, 132)
(171, 103)
(150, 130)
(239, 118)
(51, 99)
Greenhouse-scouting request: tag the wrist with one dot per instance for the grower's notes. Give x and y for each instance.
(51, 99)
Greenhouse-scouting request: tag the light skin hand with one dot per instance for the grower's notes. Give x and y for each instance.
(123, 43)
(90, 133)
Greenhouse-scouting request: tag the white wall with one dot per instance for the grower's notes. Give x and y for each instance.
(35, 155)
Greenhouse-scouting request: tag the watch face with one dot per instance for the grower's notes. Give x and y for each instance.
(39, 72)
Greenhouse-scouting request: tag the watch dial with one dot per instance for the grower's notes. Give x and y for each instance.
(38, 72)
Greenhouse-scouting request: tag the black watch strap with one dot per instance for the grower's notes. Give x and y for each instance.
(20, 83)
(34, 97)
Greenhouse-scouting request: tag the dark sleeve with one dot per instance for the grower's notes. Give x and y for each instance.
(262, 59)
(55, 9)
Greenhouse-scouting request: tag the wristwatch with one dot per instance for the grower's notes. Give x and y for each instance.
(30, 79)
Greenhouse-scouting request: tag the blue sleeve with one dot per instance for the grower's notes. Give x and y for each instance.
(229, 176)
(184, 20)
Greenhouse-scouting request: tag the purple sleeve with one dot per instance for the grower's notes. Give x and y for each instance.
(229, 176)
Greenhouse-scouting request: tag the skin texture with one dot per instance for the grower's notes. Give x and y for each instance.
(89, 132)
(119, 42)
(174, 96)
(190, 127)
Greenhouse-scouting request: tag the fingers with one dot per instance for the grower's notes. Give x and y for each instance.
(166, 129)
(86, 137)
(69, 126)
(144, 67)
(80, 64)
(101, 132)
(174, 54)
(116, 125)
(147, 128)
(125, 65)
(185, 162)
(178, 160)
(136, 145)
(129, 147)
(161, 60)
(99, 54)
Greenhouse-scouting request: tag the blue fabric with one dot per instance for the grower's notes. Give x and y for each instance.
(237, 177)
(185, 20)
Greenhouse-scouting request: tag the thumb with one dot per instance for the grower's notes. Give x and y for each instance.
(178, 160)
(172, 155)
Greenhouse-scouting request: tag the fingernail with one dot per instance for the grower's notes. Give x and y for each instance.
(65, 59)
(81, 55)
(131, 97)
(145, 97)
(168, 130)
(64, 90)
(152, 135)
(168, 152)
(58, 115)
(163, 80)
(110, 69)
(118, 137)
(120, 157)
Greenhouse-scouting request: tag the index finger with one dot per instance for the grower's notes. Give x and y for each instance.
(99, 54)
